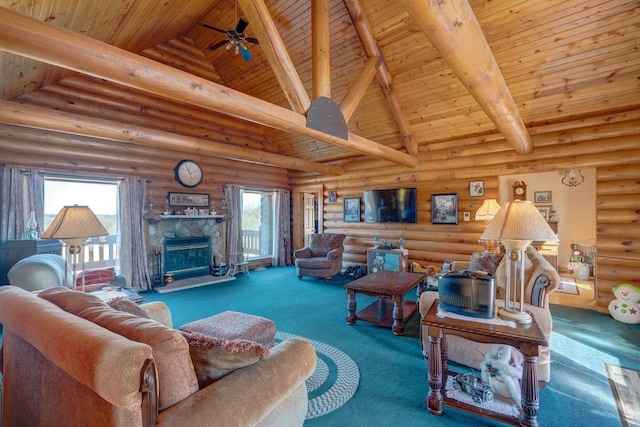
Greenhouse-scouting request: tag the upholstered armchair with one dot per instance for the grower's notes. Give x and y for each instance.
(322, 257)
(540, 279)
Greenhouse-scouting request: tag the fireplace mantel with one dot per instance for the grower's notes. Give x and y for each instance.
(158, 218)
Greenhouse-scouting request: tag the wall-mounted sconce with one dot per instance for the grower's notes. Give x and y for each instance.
(572, 178)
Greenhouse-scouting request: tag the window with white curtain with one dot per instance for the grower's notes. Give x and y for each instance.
(258, 223)
(101, 195)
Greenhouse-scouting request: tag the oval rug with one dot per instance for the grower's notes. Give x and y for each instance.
(334, 381)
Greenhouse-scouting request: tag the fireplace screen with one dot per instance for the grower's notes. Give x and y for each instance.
(187, 257)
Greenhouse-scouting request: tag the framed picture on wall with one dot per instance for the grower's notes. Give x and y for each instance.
(476, 188)
(188, 199)
(541, 197)
(545, 211)
(332, 197)
(351, 209)
(444, 208)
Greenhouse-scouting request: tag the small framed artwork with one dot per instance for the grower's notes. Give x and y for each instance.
(444, 208)
(188, 200)
(541, 197)
(380, 259)
(332, 197)
(476, 188)
(351, 209)
(545, 211)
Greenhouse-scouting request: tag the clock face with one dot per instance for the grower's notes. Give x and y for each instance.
(188, 173)
(519, 191)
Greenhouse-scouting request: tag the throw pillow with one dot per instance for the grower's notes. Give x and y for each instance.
(485, 261)
(213, 358)
(128, 306)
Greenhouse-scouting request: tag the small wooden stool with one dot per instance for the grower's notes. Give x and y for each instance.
(238, 265)
(232, 325)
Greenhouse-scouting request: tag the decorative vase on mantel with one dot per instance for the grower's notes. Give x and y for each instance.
(31, 232)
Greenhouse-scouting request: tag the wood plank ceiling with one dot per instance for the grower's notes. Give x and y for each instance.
(561, 60)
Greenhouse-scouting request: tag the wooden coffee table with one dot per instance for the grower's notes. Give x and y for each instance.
(526, 338)
(391, 309)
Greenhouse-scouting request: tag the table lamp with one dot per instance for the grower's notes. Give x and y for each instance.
(486, 212)
(516, 225)
(74, 225)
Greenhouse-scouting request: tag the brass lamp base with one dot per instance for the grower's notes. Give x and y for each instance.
(520, 317)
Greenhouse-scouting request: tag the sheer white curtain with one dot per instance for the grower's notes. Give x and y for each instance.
(282, 240)
(133, 246)
(233, 200)
(21, 191)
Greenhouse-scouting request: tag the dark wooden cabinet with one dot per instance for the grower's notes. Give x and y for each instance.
(13, 251)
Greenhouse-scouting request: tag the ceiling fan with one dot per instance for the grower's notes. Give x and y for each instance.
(236, 39)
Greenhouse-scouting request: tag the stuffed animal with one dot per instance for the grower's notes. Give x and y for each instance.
(626, 307)
(502, 370)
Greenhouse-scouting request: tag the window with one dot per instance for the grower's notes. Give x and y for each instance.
(101, 195)
(258, 223)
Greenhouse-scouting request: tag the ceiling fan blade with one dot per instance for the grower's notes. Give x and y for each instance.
(242, 25)
(211, 27)
(217, 45)
(251, 40)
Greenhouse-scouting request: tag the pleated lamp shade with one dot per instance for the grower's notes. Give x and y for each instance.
(74, 225)
(488, 210)
(519, 221)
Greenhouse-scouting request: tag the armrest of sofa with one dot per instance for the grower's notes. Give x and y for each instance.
(247, 395)
(158, 311)
(543, 281)
(303, 252)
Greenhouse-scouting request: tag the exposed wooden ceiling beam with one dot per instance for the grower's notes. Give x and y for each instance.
(43, 118)
(320, 48)
(25, 36)
(453, 29)
(357, 90)
(370, 46)
(274, 49)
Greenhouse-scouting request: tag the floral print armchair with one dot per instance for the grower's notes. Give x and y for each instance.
(322, 257)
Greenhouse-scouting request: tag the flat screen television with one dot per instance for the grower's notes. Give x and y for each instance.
(396, 205)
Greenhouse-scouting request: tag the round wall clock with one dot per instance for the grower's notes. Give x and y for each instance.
(188, 173)
(519, 190)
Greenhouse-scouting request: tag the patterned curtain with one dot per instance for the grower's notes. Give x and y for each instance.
(233, 200)
(21, 191)
(133, 246)
(282, 245)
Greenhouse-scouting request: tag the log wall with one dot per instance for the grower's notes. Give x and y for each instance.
(448, 167)
(618, 230)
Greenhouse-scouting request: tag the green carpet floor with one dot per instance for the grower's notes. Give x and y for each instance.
(393, 375)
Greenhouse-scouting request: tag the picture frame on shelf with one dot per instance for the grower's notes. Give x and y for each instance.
(476, 188)
(542, 197)
(351, 209)
(382, 259)
(444, 208)
(198, 200)
(545, 211)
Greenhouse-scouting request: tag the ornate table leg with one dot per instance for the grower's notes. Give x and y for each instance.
(351, 307)
(398, 314)
(530, 393)
(434, 398)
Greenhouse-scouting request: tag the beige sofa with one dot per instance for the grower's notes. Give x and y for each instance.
(541, 279)
(61, 368)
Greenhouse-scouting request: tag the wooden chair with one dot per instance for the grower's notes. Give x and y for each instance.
(239, 264)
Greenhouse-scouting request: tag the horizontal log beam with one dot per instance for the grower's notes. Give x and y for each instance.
(25, 36)
(42, 118)
(453, 29)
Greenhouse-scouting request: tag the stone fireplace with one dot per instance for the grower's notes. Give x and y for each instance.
(183, 243)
